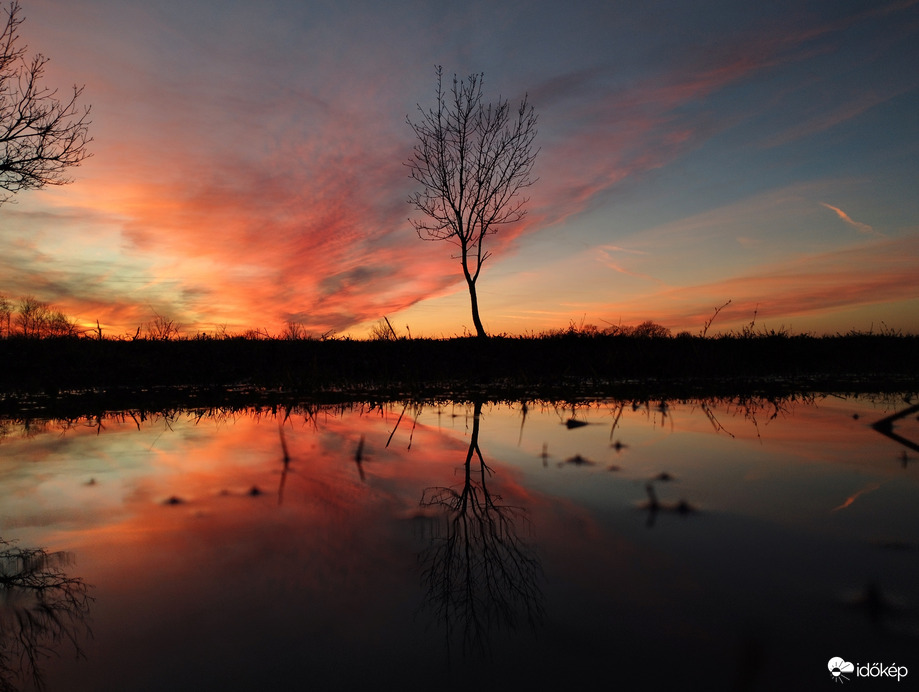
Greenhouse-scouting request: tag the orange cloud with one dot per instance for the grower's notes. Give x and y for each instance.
(251, 173)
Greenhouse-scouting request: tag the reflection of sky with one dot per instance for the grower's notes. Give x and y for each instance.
(248, 164)
(731, 456)
(225, 579)
(790, 465)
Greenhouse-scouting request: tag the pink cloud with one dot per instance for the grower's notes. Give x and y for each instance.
(620, 132)
(262, 199)
(880, 272)
(829, 116)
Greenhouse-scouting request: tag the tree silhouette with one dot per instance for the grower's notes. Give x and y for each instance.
(478, 572)
(41, 135)
(37, 319)
(6, 314)
(471, 159)
(41, 607)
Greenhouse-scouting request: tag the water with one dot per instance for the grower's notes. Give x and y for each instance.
(717, 544)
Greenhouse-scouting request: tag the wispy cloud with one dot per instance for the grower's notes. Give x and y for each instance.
(857, 225)
(827, 116)
(248, 162)
(882, 271)
(605, 256)
(629, 128)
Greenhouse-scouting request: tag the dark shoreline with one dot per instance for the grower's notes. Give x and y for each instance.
(87, 375)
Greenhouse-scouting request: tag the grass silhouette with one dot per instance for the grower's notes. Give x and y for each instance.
(558, 365)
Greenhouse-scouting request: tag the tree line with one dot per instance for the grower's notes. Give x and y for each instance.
(33, 318)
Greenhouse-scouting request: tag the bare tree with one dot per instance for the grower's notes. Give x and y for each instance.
(384, 331)
(162, 328)
(471, 159)
(37, 319)
(59, 324)
(33, 317)
(6, 312)
(41, 135)
(295, 331)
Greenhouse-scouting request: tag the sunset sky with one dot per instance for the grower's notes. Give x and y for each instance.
(248, 165)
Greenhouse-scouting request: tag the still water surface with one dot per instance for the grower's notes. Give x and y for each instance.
(717, 544)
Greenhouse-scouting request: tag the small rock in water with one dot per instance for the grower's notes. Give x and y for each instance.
(578, 460)
(572, 423)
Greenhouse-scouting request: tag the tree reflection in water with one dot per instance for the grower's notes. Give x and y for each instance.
(480, 576)
(41, 608)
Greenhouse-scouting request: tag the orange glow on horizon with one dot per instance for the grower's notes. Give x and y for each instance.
(268, 187)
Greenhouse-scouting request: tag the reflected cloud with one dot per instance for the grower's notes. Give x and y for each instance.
(854, 496)
(327, 573)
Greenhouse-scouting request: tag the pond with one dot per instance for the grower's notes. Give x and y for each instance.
(734, 543)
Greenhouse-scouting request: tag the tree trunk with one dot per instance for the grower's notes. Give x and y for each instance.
(479, 329)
